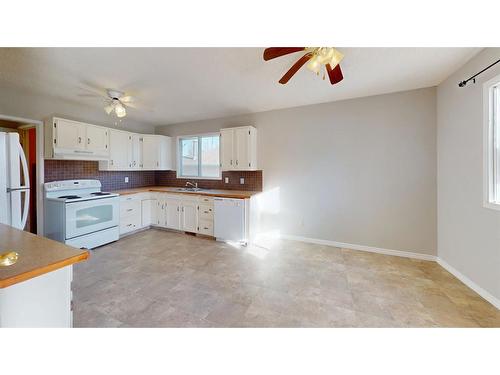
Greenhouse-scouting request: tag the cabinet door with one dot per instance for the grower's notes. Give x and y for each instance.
(165, 153)
(150, 153)
(118, 150)
(97, 139)
(160, 213)
(173, 214)
(242, 148)
(148, 210)
(69, 135)
(226, 149)
(189, 216)
(136, 161)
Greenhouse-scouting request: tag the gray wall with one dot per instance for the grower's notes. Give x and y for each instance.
(469, 234)
(14, 102)
(359, 171)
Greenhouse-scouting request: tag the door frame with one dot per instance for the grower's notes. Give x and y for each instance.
(40, 170)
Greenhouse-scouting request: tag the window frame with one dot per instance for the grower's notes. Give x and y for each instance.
(491, 138)
(179, 156)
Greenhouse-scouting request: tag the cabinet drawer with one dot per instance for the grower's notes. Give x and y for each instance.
(206, 212)
(130, 208)
(130, 224)
(209, 201)
(206, 227)
(130, 197)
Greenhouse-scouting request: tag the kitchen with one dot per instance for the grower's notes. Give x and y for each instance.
(306, 214)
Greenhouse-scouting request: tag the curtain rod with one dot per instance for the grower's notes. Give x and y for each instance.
(473, 78)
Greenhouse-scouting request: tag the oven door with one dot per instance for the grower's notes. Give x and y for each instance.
(90, 216)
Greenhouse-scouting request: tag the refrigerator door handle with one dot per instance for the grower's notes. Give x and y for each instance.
(25, 166)
(20, 188)
(26, 186)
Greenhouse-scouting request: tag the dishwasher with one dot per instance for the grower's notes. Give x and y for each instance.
(230, 220)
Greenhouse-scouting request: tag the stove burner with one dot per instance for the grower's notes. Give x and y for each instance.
(100, 193)
(69, 197)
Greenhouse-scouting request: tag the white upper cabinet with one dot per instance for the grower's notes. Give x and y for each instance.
(150, 152)
(67, 139)
(165, 153)
(97, 140)
(147, 152)
(68, 135)
(239, 148)
(116, 150)
(119, 146)
(136, 151)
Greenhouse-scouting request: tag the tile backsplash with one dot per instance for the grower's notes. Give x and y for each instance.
(253, 180)
(75, 169)
(56, 170)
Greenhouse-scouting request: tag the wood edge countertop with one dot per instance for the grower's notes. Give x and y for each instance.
(37, 255)
(235, 194)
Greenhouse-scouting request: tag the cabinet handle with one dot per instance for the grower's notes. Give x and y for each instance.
(205, 228)
(177, 209)
(129, 209)
(231, 162)
(236, 161)
(129, 225)
(88, 141)
(79, 139)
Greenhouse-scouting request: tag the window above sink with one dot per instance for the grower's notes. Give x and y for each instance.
(198, 157)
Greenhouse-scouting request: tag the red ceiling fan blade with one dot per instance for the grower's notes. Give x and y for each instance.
(273, 52)
(334, 74)
(295, 67)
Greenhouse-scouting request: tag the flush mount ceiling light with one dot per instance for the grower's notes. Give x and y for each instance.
(315, 57)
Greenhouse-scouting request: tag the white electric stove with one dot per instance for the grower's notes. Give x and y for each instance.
(79, 214)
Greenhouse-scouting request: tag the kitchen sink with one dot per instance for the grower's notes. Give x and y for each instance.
(192, 190)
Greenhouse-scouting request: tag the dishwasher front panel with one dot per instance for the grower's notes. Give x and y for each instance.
(229, 219)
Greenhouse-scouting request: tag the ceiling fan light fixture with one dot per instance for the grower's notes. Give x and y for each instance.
(109, 108)
(336, 58)
(314, 65)
(120, 110)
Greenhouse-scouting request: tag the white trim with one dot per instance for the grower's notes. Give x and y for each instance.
(371, 249)
(407, 254)
(476, 288)
(488, 147)
(40, 173)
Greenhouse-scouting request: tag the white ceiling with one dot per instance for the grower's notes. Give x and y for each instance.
(175, 85)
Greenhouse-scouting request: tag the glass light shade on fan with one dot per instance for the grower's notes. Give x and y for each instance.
(120, 110)
(322, 56)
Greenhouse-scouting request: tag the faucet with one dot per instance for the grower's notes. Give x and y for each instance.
(195, 185)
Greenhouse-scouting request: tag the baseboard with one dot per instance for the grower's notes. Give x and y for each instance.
(471, 284)
(371, 249)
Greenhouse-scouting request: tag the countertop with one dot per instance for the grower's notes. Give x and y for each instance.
(238, 194)
(37, 255)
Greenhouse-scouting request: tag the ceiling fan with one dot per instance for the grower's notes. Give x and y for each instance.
(114, 101)
(315, 57)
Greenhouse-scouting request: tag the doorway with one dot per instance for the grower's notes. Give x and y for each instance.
(31, 139)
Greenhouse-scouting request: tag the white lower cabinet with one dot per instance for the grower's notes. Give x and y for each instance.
(172, 213)
(189, 216)
(148, 212)
(188, 213)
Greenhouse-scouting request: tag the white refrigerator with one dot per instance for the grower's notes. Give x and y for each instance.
(14, 182)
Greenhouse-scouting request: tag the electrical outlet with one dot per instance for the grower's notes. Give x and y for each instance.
(126, 180)
(242, 181)
(226, 180)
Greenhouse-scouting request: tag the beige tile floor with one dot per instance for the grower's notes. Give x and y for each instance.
(157, 278)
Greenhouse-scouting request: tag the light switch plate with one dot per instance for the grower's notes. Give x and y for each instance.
(126, 180)
(242, 181)
(226, 180)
